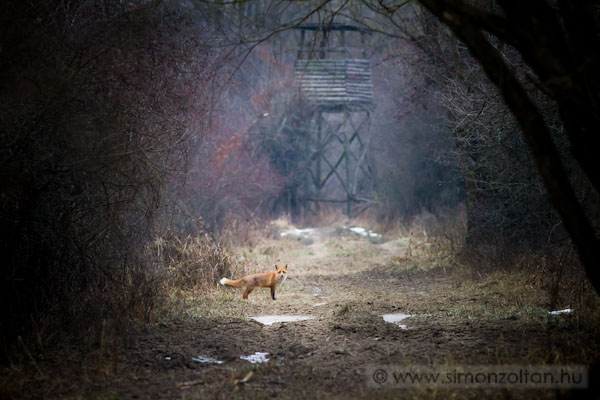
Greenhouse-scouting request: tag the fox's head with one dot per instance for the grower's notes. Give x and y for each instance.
(281, 271)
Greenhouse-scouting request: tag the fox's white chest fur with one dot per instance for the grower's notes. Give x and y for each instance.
(280, 279)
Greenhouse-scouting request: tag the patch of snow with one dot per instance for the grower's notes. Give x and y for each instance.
(271, 319)
(393, 318)
(168, 358)
(363, 231)
(566, 310)
(206, 360)
(396, 318)
(255, 358)
(319, 304)
(297, 232)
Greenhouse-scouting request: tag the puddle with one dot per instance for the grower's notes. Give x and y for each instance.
(364, 232)
(206, 360)
(566, 310)
(396, 319)
(272, 319)
(256, 358)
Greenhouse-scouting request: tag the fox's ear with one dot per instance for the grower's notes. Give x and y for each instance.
(285, 266)
(275, 266)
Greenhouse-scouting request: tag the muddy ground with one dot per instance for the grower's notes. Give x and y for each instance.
(345, 282)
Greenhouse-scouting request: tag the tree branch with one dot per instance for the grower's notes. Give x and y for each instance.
(536, 134)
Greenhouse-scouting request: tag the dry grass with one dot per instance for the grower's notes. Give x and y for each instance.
(193, 262)
(462, 315)
(523, 291)
(243, 232)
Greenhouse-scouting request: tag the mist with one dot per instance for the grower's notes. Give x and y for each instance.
(421, 175)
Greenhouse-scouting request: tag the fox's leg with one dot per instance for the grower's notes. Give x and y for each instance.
(273, 293)
(249, 290)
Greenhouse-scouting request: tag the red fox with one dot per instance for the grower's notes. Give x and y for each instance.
(271, 280)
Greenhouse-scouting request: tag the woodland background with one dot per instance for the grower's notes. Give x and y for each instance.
(132, 129)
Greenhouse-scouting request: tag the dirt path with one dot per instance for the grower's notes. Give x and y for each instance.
(345, 282)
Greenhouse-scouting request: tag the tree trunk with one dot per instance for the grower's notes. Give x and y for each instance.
(463, 22)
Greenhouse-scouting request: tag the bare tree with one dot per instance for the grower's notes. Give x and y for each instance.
(558, 42)
(99, 108)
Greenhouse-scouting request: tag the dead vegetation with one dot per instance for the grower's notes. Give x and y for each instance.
(193, 263)
(460, 316)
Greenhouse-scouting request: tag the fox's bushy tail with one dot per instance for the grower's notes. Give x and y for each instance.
(230, 282)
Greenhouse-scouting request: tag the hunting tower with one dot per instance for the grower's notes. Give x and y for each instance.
(333, 79)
